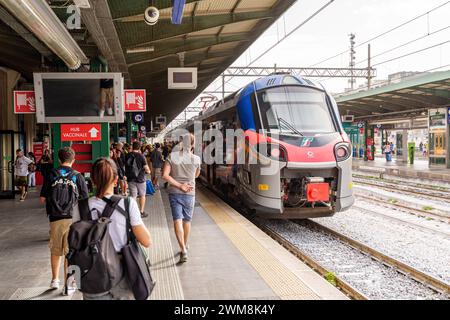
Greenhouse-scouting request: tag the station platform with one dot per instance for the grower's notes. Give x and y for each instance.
(229, 257)
(419, 169)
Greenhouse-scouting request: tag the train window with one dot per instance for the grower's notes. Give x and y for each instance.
(295, 109)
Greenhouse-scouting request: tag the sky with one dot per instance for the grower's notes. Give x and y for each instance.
(328, 34)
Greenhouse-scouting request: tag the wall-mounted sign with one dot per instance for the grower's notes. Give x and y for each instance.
(81, 132)
(438, 117)
(24, 102)
(135, 100)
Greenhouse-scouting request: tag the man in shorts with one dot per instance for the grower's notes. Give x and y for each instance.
(59, 226)
(21, 169)
(136, 168)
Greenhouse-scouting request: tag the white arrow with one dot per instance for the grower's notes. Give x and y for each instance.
(94, 132)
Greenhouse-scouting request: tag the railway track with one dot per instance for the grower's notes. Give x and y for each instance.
(417, 212)
(405, 221)
(419, 276)
(427, 282)
(394, 187)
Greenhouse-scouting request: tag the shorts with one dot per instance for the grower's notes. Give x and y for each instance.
(182, 206)
(137, 189)
(21, 181)
(59, 230)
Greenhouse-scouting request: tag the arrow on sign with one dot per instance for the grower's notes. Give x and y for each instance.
(94, 132)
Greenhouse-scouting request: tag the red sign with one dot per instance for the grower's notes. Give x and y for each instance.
(24, 102)
(81, 132)
(38, 151)
(135, 100)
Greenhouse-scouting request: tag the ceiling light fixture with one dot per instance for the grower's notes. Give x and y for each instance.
(84, 4)
(141, 50)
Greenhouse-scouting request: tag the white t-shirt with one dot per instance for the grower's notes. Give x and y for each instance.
(118, 227)
(21, 168)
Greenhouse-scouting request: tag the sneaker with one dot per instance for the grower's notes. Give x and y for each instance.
(109, 111)
(144, 215)
(54, 284)
(101, 113)
(183, 257)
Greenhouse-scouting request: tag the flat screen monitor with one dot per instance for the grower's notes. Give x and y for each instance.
(79, 97)
(182, 78)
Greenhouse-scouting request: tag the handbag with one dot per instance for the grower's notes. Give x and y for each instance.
(136, 261)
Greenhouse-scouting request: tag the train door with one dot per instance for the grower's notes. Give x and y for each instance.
(7, 155)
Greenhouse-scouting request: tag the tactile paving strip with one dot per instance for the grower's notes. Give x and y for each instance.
(168, 285)
(277, 276)
(42, 293)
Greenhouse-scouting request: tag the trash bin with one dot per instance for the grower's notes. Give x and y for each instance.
(411, 152)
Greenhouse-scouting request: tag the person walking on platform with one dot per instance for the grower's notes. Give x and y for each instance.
(136, 168)
(45, 165)
(181, 169)
(157, 163)
(32, 171)
(21, 168)
(61, 193)
(105, 177)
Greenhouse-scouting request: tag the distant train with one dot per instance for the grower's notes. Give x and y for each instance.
(293, 123)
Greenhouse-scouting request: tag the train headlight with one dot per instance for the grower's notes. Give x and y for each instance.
(342, 151)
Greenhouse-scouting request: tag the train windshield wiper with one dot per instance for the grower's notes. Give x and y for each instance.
(289, 126)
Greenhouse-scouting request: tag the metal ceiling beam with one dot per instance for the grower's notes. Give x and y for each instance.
(187, 46)
(166, 30)
(189, 59)
(98, 21)
(138, 7)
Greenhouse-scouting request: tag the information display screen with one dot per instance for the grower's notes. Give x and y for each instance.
(79, 97)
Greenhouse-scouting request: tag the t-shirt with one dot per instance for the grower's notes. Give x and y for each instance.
(141, 162)
(21, 168)
(156, 157)
(184, 166)
(118, 226)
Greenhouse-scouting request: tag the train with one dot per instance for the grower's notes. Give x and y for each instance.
(293, 125)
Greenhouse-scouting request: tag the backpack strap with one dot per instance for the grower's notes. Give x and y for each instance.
(85, 212)
(111, 205)
(126, 213)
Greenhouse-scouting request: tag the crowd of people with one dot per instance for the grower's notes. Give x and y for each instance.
(118, 189)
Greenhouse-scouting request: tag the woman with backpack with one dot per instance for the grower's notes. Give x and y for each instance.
(105, 177)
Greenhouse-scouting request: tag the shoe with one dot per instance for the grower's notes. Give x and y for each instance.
(101, 113)
(54, 284)
(183, 257)
(109, 111)
(144, 215)
(69, 290)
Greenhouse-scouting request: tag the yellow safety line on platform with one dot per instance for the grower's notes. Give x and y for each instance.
(278, 277)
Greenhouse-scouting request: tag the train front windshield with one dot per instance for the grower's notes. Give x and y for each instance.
(295, 110)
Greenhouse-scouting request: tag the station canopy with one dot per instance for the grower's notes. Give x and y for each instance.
(408, 97)
(213, 34)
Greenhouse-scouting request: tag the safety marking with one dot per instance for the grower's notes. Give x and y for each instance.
(278, 277)
(164, 271)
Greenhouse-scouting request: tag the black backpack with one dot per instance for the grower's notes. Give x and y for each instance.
(92, 251)
(132, 169)
(63, 195)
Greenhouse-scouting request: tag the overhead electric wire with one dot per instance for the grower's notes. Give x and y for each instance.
(383, 33)
(284, 38)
